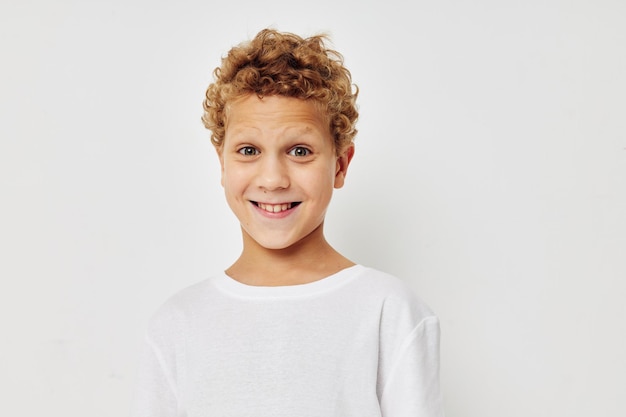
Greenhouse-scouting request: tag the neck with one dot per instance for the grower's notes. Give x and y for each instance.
(308, 260)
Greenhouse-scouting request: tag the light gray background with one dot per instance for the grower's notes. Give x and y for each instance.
(490, 174)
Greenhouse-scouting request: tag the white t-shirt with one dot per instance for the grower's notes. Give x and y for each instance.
(355, 344)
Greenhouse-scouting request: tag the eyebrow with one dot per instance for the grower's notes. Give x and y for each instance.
(287, 131)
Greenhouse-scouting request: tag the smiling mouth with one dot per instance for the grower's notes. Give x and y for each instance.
(275, 208)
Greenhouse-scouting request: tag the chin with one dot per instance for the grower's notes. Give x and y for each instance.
(283, 239)
(277, 242)
(275, 245)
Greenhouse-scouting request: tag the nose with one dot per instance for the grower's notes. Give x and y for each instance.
(273, 173)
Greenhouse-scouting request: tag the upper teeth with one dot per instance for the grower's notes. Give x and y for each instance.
(274, 208)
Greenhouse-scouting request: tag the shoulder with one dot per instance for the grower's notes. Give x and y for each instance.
(171, 315)
(402, 317)
(395, 294)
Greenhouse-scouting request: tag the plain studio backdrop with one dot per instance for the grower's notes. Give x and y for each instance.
(490, 174)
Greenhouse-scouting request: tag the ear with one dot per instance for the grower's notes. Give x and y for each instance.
(220, 155)
(343, 160)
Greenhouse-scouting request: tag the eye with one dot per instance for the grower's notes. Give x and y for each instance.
(248, 151)
(299, 151)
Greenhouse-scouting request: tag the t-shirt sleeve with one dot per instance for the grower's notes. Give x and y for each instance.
(154, 393)
(412, 388)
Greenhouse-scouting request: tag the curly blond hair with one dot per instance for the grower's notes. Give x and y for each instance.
(284, 64)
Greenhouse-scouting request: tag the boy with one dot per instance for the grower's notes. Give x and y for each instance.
(292, 328)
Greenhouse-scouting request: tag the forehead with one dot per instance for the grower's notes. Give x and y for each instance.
(275, 113)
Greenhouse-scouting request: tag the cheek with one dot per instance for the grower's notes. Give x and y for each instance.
(233, 175)
(231, 182)
(320, 183)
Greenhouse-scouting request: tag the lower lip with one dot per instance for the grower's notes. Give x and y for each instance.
(277, 215)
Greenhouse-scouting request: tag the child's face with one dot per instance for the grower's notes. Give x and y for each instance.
(279, 168)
